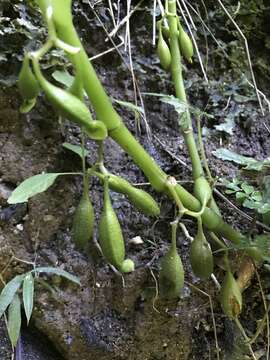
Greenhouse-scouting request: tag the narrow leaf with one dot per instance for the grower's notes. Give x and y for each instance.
(129, 106)
(76, 149)
(14, 320)
(32, 186)
(28, 295)
(59, 272)
(9, 291)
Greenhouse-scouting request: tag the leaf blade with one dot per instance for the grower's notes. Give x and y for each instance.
(59, 272)
(32, 186)
(28, 295)
(76, 149)
(14, 320)
(8, 292)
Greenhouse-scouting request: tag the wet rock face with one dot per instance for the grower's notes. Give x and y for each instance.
(105, 318)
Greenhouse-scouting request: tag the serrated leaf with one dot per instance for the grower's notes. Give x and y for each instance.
(248, 189)
(258, 165)
(9, 291)
(28, 295)
(264, 208)
(63, 77)
(76, 149)
(240, 196)
(34, 185)
(14, 320)
(257, 196)
(59, 272)
(250, 204)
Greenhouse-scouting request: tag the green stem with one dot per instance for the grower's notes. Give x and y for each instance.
(117, 130)
(85, 180)
(203, 155)
(177, 77)
(174, 226)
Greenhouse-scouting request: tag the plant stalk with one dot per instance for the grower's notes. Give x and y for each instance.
(118, 131)
(177, 77)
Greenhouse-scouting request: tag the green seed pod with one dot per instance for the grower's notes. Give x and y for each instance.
(71, 107)
(83, 222)
(171, 276)
(118, 184)
(186, 46)
(110, 235)
(143, 201)
(27, 83)
(230, 296)
(201, 257)
(202, 190)
(164, 53)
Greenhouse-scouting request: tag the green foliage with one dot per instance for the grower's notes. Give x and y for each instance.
(248, 162)
(247, 195)
(14, 320)
(32, 186)
(28, 295)
(76, 149)
(10, 297)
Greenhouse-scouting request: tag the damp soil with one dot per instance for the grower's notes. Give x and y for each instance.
(110, 317)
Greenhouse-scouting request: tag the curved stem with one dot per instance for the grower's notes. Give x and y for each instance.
(117, 130)
(176, 72)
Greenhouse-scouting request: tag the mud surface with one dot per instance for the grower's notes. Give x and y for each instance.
(107, 318)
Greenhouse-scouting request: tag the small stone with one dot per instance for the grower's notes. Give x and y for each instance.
(19, 227)
(137, 240)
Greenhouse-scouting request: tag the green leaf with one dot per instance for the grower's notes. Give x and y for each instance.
(240, 196)
(248, 189)
(28, 295)
(256, 196)
(59, 272)
(229, 155)
(258, 165)
(14, 320)
(179, 106)
(63, 77)
(248, 162)
(8, 292)
(227, 126)
(34, 185)
(130, 106)
(250, 204)
(264, 209)
(76, 149)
